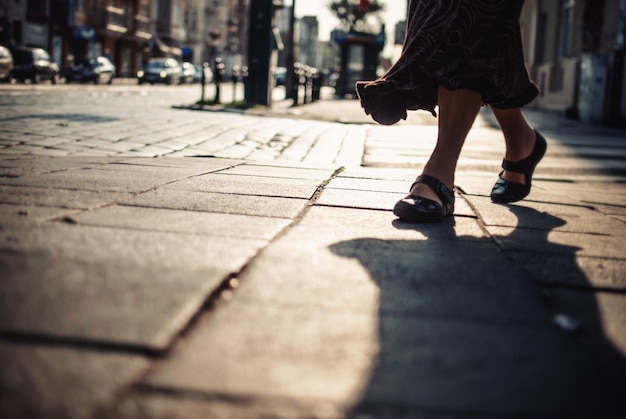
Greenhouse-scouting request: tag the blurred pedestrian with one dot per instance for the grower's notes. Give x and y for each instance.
(459, 55)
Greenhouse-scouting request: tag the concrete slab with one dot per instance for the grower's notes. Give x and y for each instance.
(374, 185)
(544, 216)
(12, 215)
(15, 165)
(574, 270)
(186, 222)
(376, 200)
(280, 172)
(147, 404)
(323, 356)
(99, 180)
(188, 162)
(66, 300)
(99, 284)
(363, 362)
(248, 185)
(47, 381)
(492, 371)
(339, 267)
(551, 242)
(58, 198)
(219, 203)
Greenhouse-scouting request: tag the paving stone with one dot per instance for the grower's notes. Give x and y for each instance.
(551, 217)
(191, 222)
(341, 268)
(573, 270)
(219, 203)
(364, 361)
(558, 243)
(60, 198)
(284, 172)
(323, 356)
(152, 405)
(599, 313)
(208, 165)
(100, 180)
(53, 382)
(37, 164)
(511, 371)
(358, 199)
(12, 215)
(248, 185)
(367, 184)
(62, 280)
(376, 200)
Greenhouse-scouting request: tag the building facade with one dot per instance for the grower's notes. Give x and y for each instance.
(575, 53)
(129, 32)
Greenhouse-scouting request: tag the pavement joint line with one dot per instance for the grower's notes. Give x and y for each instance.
(80, 343)
(578, 288)
(217, 295)
(241, 399)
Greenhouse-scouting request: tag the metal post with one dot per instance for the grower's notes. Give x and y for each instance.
(290, 80)
(203, 82)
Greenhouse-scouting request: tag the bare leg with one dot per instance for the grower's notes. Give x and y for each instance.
(457, 111)
(519, 137)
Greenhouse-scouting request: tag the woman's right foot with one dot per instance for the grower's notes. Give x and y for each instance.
(506, 191)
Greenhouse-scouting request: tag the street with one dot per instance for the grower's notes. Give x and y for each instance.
(159, 261)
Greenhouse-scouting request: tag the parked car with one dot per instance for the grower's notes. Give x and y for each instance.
(6, 64)
(34, 64)
(189, 72)
(160, 70)
(208, 74)
(96, 70)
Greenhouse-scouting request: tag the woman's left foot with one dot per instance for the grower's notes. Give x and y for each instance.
(505, 191)
(418, 209)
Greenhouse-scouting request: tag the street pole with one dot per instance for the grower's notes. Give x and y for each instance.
(290, 79)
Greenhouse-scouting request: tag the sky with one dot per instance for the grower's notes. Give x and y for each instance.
(395, 11)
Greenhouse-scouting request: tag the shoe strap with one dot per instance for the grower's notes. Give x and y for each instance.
(443, 192)
(527, 166)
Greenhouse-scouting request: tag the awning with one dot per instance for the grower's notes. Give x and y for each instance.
(86, 33)
(166, 49)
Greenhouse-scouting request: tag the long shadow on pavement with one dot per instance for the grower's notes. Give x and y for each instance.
(464, 332)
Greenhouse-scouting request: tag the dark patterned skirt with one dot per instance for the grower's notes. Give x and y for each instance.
(457, 44)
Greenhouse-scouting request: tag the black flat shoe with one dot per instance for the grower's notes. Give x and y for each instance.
(504, 191)
(416, 209)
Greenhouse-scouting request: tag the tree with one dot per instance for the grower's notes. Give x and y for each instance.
(358, 15)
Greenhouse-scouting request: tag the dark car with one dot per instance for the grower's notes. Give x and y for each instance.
(6, 64)
(160, 70)
(34, 64)
(96, 70)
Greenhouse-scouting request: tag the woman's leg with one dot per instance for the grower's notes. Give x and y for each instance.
(519, 138)
(457, 111)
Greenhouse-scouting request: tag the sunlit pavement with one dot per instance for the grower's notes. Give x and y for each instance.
(171, 263)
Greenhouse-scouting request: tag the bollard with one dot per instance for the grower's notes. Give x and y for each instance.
(218, 76)
(205, 65)
(317, 85)
(235, 79)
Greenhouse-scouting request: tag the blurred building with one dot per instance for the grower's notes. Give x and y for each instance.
(575, 52)
(308, 35)
(127, 31)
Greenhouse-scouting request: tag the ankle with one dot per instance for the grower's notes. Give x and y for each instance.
(521, 146)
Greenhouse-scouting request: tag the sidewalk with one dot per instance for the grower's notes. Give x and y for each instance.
(227, 288)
